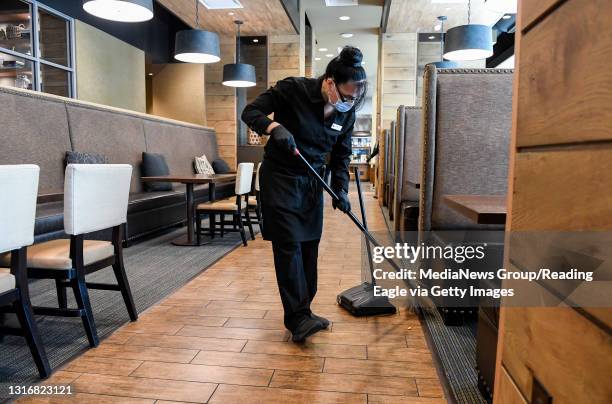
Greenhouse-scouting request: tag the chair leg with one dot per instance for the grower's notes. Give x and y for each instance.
(62, 297)
(238, 218)
(30, 331)
(222, 218)
(213, 219)
(82, 297)
(198, 228)
(122, 280)
(248, 219)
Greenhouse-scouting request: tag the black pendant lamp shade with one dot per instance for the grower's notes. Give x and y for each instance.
(196, 45)
(443, 64)
(120, 10)
(469, 42)
(239, 74)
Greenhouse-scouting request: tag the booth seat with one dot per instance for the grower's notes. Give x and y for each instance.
(40, 128)
(466, 143)
(407, 176)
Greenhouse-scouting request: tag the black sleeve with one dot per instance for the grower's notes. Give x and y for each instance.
(255, 115)
(340, 160)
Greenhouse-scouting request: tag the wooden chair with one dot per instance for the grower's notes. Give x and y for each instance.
(17, 215)
(95, 198)
(237, 207)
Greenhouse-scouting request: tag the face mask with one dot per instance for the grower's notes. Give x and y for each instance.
(341, 106)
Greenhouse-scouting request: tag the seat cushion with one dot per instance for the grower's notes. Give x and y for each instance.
(252, 201)
(55, 254)
(220, 166)
(222, 205)
(7, 280)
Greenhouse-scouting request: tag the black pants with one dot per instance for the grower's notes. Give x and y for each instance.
(296, 275)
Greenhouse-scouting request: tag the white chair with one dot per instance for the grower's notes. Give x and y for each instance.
(17, 215)
(235, 207)
(256, 203)
(95, 198)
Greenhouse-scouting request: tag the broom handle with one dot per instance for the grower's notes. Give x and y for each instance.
(350, 214)
(365, 223)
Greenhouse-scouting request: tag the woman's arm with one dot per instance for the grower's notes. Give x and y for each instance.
(255, 115)
(340, 159)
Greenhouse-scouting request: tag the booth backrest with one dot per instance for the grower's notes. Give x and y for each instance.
(466, 139)
(407, 156)
(39, 129)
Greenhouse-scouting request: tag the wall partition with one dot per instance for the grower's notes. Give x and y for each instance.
(36, 48)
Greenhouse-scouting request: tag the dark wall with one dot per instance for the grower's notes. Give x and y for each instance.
(155, 37)
(292, 7)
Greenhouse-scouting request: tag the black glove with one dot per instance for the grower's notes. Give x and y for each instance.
(284, 139)
(342, 202)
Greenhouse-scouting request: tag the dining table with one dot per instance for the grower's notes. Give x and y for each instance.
(190, 181)
(481, 209)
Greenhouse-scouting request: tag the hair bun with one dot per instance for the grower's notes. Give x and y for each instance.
(351, 56)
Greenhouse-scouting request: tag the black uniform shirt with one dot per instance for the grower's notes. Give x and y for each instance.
(298, 105)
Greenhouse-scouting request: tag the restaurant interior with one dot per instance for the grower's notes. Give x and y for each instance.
(132, 264)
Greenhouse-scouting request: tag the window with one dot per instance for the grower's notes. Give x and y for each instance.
(36, 48)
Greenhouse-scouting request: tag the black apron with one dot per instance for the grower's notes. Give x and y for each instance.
(291, 204)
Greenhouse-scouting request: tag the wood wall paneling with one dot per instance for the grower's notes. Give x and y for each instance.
(566, 80)
(559, 184)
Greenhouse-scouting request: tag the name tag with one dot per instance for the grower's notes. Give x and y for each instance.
(337, 127)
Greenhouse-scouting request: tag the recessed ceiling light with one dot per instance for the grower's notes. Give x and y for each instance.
(221, 4)
(230, 13)
(330, 55)
(507, 16)
(432, 37)
(346, 35)
(255, 40)
(344, 18)
(317, 58)
(322, 49)
(150, 74)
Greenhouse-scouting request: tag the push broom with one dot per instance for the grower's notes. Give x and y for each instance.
(358, 300)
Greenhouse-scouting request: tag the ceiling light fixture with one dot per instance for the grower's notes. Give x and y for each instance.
(322, 49)
(502, 6)
(196, 45)
(221, 4)
(507, 16)
(443, 64)
(346, 35)
(344, 18)
(469, 42)
(120, 10)
(330, 55)
(431, 37)
(239, 74)
(255, 40)
(317, 58)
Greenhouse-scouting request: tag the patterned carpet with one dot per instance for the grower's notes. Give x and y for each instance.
(155, 269)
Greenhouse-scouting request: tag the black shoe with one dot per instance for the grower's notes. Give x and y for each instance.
(324, 322)
(305, 329)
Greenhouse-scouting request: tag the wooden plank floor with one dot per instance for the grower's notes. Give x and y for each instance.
(220, 339)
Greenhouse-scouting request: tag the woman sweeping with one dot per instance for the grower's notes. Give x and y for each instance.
(316, 116)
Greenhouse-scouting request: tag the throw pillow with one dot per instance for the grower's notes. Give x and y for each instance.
(75, 157)
(220, 166)
(202, 166)
(154, 165)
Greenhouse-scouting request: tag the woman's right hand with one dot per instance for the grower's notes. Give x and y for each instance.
(283, 138)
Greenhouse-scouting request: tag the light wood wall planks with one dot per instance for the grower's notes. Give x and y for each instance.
(284, 56)
(561, 160)
(221, 102)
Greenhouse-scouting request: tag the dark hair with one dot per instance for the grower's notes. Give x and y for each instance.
(347, 67)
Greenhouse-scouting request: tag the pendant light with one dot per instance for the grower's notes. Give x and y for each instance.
(239, 74)
(120, 10)
(196, 45)
(442, 63)
(469, 42)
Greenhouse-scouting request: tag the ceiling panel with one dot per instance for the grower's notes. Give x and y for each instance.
(259, 16)
(421, 15)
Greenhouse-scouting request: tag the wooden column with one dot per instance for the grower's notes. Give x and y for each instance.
(560, 180)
